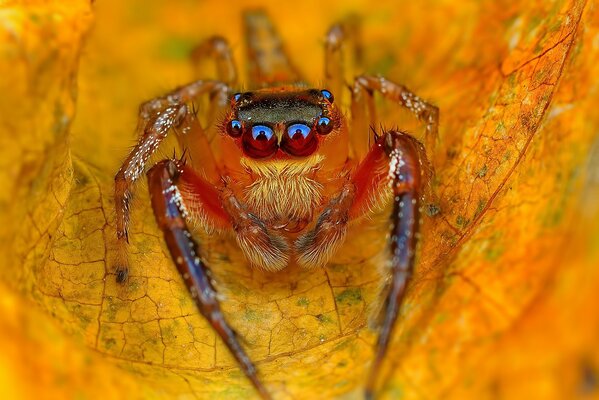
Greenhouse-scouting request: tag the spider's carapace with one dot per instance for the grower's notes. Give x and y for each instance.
(280, 122)
(282, 168)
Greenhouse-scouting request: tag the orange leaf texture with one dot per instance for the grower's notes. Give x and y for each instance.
(503, 301)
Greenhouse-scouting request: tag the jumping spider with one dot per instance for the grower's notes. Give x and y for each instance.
(281, 167)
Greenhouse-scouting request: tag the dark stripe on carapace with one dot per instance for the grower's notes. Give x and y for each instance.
(277, 107)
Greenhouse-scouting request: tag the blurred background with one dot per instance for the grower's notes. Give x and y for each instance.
(503, 303)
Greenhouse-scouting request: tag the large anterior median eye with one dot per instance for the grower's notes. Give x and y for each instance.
(299, 140)
(260, 142)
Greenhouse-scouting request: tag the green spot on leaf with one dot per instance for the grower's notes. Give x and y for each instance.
(461, 221)
(350, 296)
(324, 319)
(483, 171)
(303, 302)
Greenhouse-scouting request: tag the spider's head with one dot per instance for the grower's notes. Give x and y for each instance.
(281, 121)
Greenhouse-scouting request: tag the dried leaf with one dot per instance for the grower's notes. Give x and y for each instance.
(502, 300)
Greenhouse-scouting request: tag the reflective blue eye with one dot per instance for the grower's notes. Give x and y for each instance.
(327, 95)
(236, 96)
(234, 128)
(299, 141)
(298, 129)
(262, 132)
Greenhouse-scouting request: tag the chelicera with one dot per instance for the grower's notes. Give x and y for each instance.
(281, 167)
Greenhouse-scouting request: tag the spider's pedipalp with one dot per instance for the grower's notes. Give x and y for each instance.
(262, 246)
(316, 247)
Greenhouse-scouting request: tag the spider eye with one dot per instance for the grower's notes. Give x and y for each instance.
(234, 128)
(262, 133)
(298, 131)
(236, 97)
(324, 126)
(261, 142)
(299, 140)
(327, 95)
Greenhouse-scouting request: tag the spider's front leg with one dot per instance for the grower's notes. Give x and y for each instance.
(169, 207)
(395, 166)
(407, 171)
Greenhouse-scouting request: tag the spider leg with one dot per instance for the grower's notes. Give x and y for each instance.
(395, 167)
(363, 114)
(156, 118)
(170, 212)
(406, 172)
(217, 48)
(424, 111)
(268, 62)
(194, 141)
(340, 36)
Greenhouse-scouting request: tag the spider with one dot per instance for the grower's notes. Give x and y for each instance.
(281, 167)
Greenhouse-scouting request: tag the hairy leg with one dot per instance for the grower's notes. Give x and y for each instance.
(171, 212)
(339, 37)
(268, 62)
(409, 173)
(406, 175)
(216, 48)
(395, 168)
(425, 112)
(156, 118)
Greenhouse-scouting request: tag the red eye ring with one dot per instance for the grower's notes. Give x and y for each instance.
(299, 140)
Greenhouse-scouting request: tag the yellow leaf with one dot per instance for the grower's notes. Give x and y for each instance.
(502, 300)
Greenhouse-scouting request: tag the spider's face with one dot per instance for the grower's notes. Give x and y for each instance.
(281, 122)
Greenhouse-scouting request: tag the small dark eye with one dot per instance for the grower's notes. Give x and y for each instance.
(327, 95)
(324, 126)
(298, 131)
(234, 128)
(236, 97)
